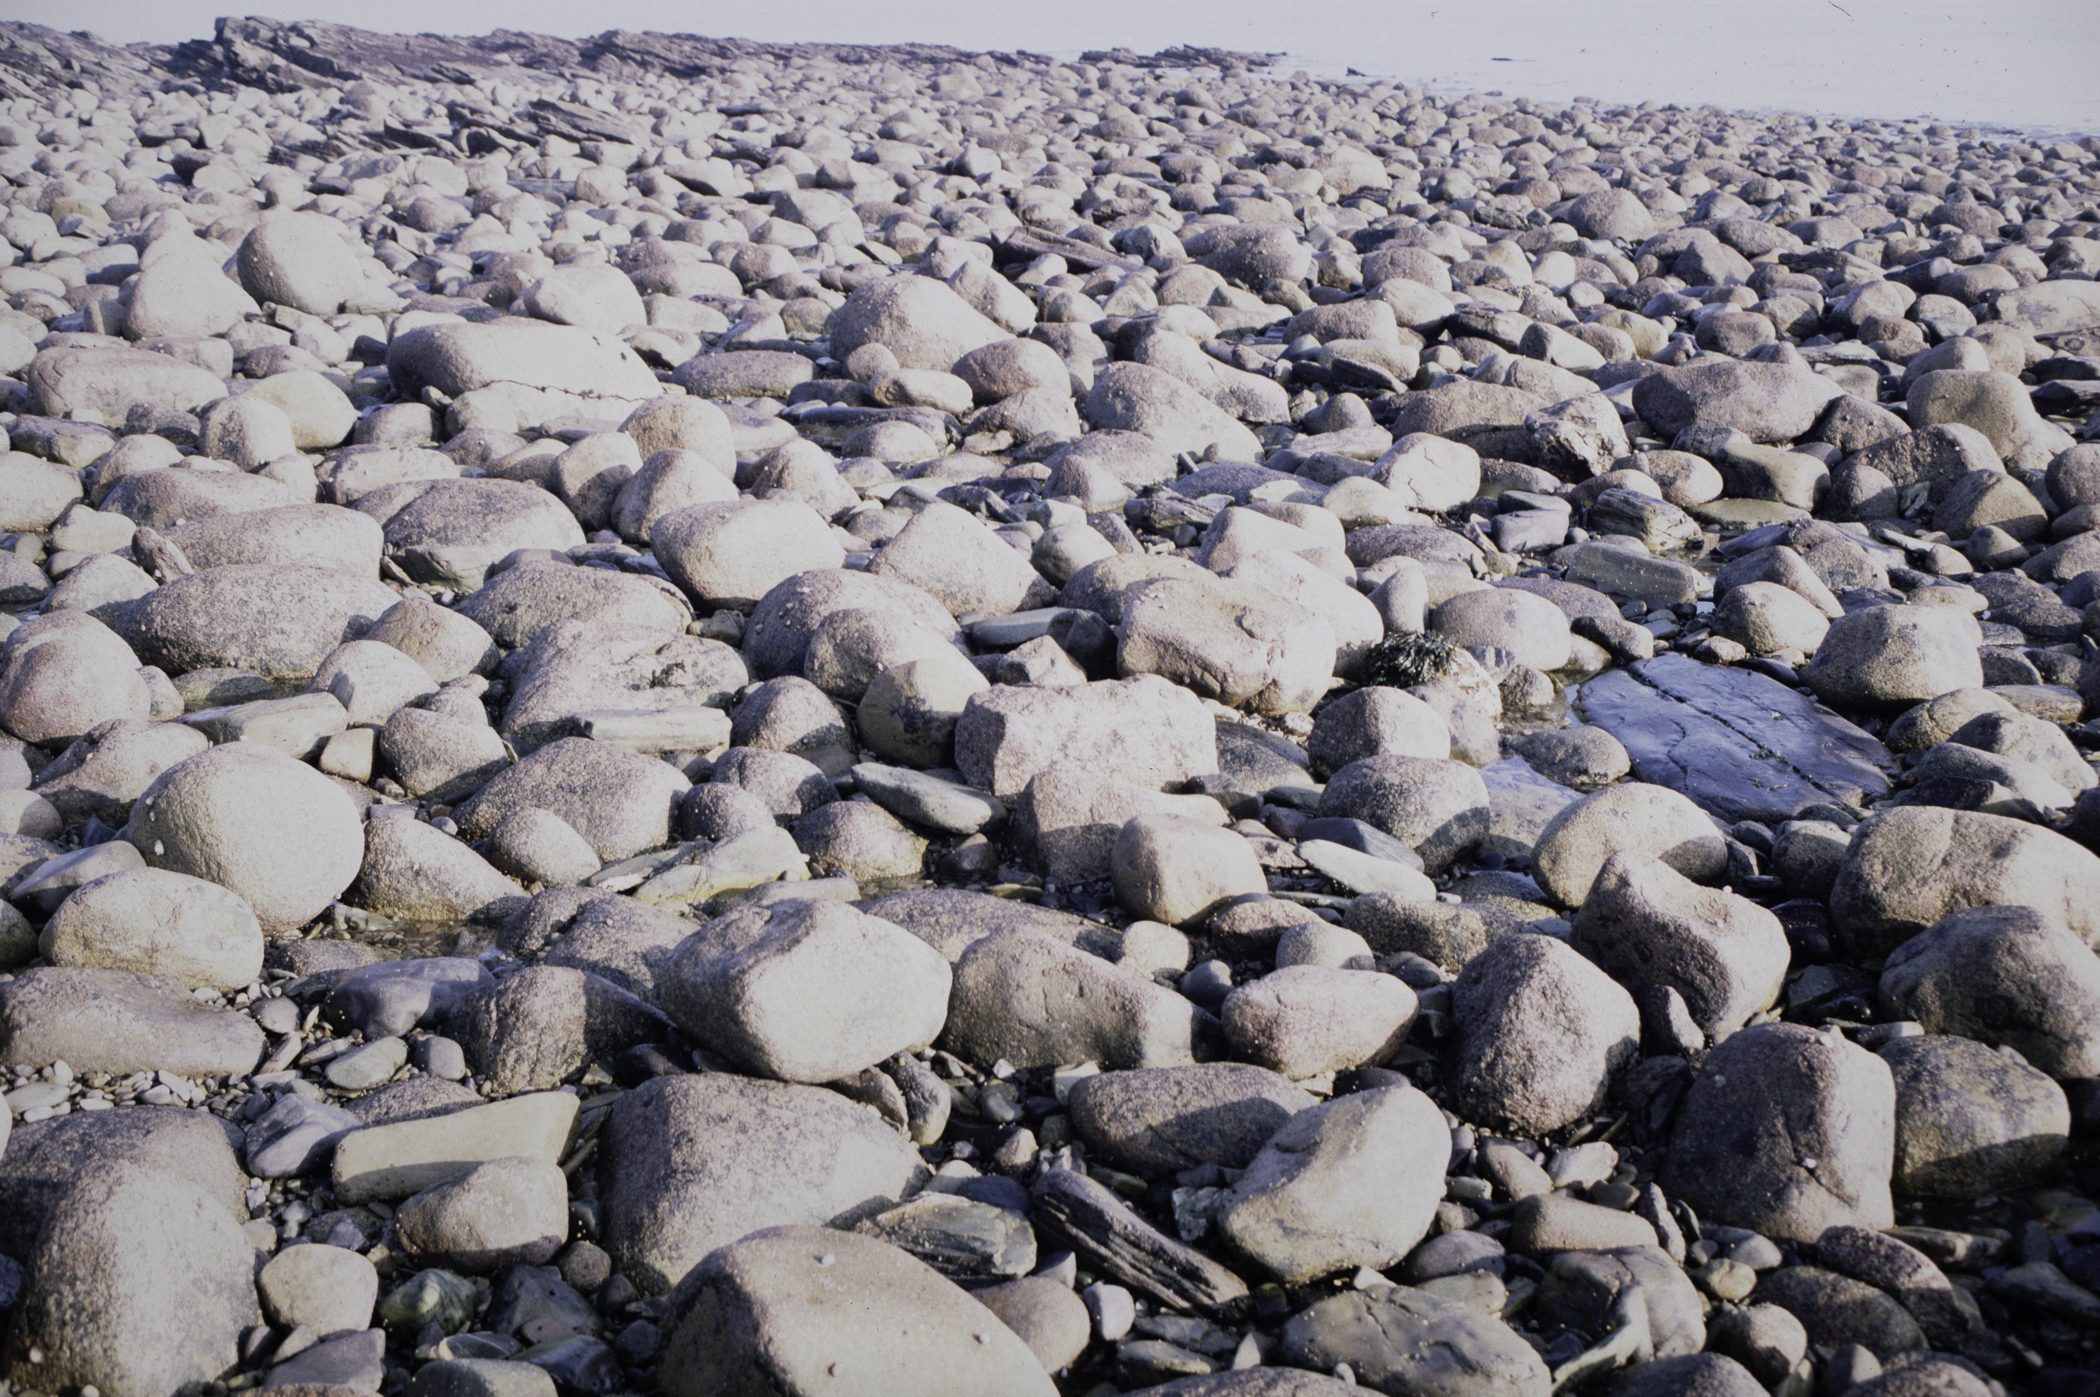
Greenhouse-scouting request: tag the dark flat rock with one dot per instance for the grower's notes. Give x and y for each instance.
(1742, 745)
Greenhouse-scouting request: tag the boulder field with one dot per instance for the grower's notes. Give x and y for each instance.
(695, 717)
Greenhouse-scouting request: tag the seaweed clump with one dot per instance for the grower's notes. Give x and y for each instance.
(1403, 661)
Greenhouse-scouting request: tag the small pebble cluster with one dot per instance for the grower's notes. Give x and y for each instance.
(671, 707)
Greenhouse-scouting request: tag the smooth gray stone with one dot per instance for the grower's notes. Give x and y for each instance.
(355, 1361)
(480, 1377)
(1740, 744)
(119, 1021)
(927, 800)
(1363, 838)
(295, 1135)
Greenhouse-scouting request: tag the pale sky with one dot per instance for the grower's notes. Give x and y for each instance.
(2017, 62)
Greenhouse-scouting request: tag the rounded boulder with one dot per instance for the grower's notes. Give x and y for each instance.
(158, 923)
(272, 831)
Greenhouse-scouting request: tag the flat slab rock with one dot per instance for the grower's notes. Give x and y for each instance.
(1739, 743)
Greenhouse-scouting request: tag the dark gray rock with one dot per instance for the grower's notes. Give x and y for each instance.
(1257, 1382)
(1399, 1341)
(1688, 1375)
(1895, 1266)
(44, 1159)
(1741, 744)
(612, 937)
(1163, 1120)
(1837, 1310)
(388, 999)
(1446, 933)
(532, 1030)
(961, 1238)
(2007, 976)
(1787, 1131)
(349, 1362)
(1971, 1121)
(1768, 402)
(1582, 1289)
(500, 1213)
(1541, 1033)
(481, 1377)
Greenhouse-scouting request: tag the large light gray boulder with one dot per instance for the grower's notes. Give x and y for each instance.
(1038, 1002)
(65, 673)
(1354, 1182)
(301, 260)
(1143, 730)
(621, 802)
(1889, 655)
(1231, 641)
(790, 1310)
(158, 923)
(919, 320)
(279, 620)
(1652, 927)
(274, 832)
(806, 991)
(138, 1281)
(119, 1021)
(692, 1163)
(1971, 1121)
(734, 552)
(527, 369)
(1909, 868)
(956, 560)
(1139, 398)
(1573, 847)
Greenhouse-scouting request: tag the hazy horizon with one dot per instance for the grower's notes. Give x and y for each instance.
(2019, 64)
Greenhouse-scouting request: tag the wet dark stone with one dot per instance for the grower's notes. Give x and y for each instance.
(1742, 745)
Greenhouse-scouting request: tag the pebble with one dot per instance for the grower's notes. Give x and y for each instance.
(1112, 1308)
(363, 1068)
